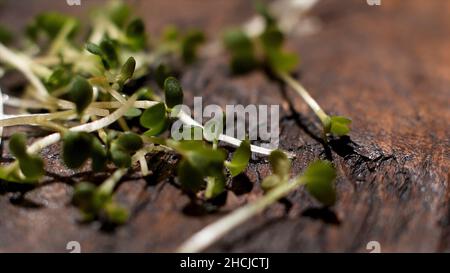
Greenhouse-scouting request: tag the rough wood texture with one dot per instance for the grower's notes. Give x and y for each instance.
(386, 67)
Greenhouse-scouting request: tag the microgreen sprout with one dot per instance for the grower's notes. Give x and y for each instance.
(31, 166)
(86, 86)
(319, 181)
(84, 94)
(267, 51)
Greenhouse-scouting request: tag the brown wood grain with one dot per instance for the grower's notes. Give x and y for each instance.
(387, 67)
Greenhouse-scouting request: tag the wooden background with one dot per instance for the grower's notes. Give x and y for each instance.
(387, 67)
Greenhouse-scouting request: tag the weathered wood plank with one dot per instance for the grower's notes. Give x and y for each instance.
(386, 67)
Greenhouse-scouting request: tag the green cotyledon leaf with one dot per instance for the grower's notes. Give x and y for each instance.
(31, 166)
(80, 93)
(215, 185)
(17, 145)
(319, 180)
(190, 178)
(127, 70)
(240, 159)
(173, 92)
(130, 142)
(190, 44)
(154, 118)
(340, 126)
(241, 48)
(199, 154)
(76, 148)
(136, 35)
(281, 167)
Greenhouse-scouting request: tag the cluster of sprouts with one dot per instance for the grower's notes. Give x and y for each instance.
(111, 99)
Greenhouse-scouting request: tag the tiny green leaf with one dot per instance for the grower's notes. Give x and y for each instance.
(115, 214)
(280, 164)
(136, 28)
(270, 182)
(118, 12)
(272, 38)
(236, 41)
(76, 148)
(130, 142)
(173, 92)
(17, 145)
(155, 119)
(280, 61)
(162, 72)
(170, 33)
(99, 156)
(319, 178)
(215, 185)
(133, 113)
(240, 159)
(59, 78)
(51, 23)
(136, 34)
(81, 93)
(340, 125)
(190, 178)
(94, 49)
(200, 155)
(32, 167)
(243, 63)
(120, 157)
(241, 48)
(189, 45)
(109, 53)
(83, 195)
(127, 70)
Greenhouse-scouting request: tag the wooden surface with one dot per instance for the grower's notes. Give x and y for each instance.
(387, 67)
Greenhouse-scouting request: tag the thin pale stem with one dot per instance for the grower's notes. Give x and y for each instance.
(143, 104)
(107, 187)
(34, 119)
(23, 65)
(88, 127)
(109, 184)
(305, 95)
(62, 37)
(215, 231)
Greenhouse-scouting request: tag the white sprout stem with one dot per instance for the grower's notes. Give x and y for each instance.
(93, 109)
(215, 231)
(115, 104)
(305, 95)
(24, 103)
(139, 156)
(116, 95)
(21, 64)
(88, 127)
(108, 185)
(31, 119)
